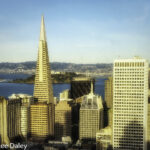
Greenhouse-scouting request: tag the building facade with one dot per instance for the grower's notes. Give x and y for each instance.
(25, 115)
(109, 92)
(110, 117)
(64, 95)
(24, 101)
(14, 118)
(63, 119)
(39, 121)
(80, 86)
(91, 117)
(148, 125)
(3, 122)
(130, 99)
(104, 139)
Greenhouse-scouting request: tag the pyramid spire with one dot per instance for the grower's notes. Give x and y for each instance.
(43, 90)
(42, 112)
(42, 32)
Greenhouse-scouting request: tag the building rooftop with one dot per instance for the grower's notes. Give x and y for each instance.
(20, 95)
(134, 59)
(92, 101)
(106, 131)
(63, 105)
(82, 79)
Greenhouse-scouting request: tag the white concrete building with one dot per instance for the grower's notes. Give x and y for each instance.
(130, 101)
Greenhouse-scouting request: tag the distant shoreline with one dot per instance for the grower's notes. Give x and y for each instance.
(56, 78)
(33, 82)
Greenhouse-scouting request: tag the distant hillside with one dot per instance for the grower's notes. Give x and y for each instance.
(25, 65)
(29, 67)
(56, 78)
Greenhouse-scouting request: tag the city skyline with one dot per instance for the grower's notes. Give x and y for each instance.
(116, 118)
(76, 30)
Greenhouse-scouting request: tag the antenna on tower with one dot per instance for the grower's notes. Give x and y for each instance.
(91, 86)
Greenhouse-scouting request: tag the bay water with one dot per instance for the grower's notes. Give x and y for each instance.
(7, 89)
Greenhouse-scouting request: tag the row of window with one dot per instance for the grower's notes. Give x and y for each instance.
(129, 64)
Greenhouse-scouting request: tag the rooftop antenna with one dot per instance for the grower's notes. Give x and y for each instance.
(91, 86)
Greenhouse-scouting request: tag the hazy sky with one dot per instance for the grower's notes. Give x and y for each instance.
(79, 31)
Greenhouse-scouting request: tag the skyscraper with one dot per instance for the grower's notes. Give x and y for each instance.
(80, 86)
(25, 116)
(91, 116)
(148, 125)
(63, 119)
(19, 103)
(43, 91)
(14, 118)
(108, 103)
(109, 92)
(43, 110)
(130, 98)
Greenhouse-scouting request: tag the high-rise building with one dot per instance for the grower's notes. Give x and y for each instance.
(108, 103)
(25, 100)
(110, 117)
(63, 119)
(80, 86)
(14, 118)
(91, 116)
(148, 115)
(130, 99)
(149, 84)
(25, 115)
(148, 125)
(43, 93)
(3, 122)
(109, 92)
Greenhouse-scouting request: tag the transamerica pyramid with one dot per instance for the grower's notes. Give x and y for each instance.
(43, 90)
(42, 111)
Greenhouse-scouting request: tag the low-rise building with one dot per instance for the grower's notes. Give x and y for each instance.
(64, 95)
(104, 139)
